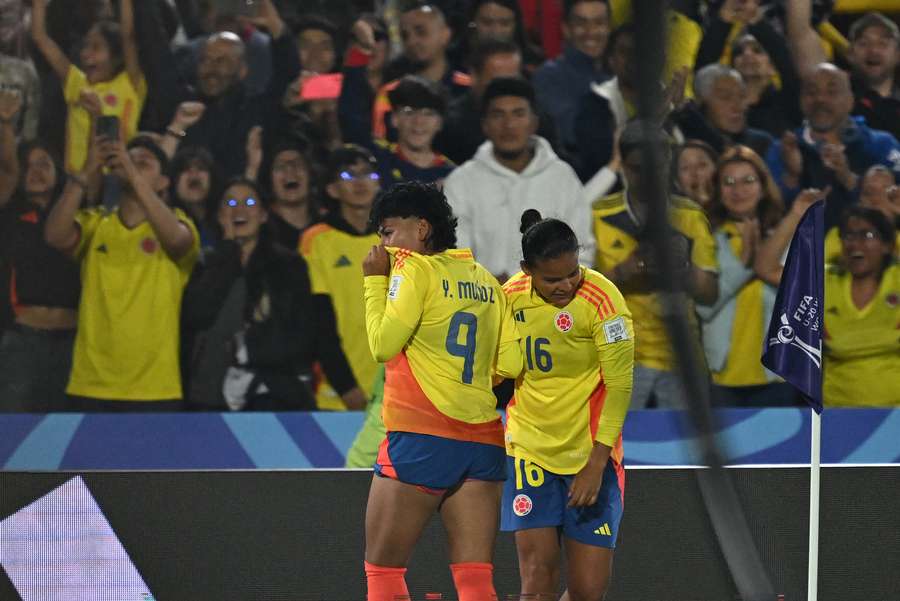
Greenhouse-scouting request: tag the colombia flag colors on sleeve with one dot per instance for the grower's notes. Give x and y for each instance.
(576, 386)
(443, 326)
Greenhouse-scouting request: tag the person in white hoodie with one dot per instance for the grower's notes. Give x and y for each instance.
(514, 170)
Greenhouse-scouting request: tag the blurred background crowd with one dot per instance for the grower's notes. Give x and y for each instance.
(185, 185)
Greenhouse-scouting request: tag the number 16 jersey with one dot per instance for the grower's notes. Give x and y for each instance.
(444, 327)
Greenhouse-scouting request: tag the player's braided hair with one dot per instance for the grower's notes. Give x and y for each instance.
(544, 239)
(425, 201)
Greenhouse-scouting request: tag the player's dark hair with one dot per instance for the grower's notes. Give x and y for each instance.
(508, 86)
(544, 239)
(314, 21)
(568, 5)
(488, 47)
(425, 201)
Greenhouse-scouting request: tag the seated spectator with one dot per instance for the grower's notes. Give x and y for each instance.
(497, 20)
(417, 116)
(745, 207)
(623, 256)
(110, 81)
(315, 37)
(258, 326)
(832, 148)
(562, 82)
(720, 115)
(37, 349)
(759, 53)
(862, 314)
(426, 37)
(513, 171)
(334, 250)
(287, 178)
(195, 185)
(695, 170)
(874, 54)
(135, 261)
(876, 191)
(462, 134)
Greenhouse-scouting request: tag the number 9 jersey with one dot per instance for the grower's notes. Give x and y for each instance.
(576, 386)
(443, 326)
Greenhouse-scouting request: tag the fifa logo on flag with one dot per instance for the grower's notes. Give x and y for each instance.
(786, 335)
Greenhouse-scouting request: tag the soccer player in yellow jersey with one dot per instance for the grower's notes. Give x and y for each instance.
(862, 315)
(564, 424)
(442, 325)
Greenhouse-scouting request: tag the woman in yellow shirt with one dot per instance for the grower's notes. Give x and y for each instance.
(862, 315)
(746, 206)
(566, 481)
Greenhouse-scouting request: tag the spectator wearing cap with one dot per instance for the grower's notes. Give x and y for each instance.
(874, 55)
(418, 113)
(258, 328)
(760, 54)
(426, 37)
(513, 171)
(720, 116)
(135, 261)
(334, 250)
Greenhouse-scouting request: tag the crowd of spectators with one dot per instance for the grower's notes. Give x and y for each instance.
(185, 185)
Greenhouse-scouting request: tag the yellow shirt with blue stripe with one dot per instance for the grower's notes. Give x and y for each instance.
(576, 386)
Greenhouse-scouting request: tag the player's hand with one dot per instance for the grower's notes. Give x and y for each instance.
(834, 158)
(377, 262)
(586, 485)
(808, 198)
(355, 399)
(187, 114)
(90, 102)
(749, 231)
(363, 35)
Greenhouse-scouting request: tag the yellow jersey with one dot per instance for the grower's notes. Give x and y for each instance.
(576, 386)
(743, 367)
(616, 232)
(127, 343)
(335, 253)
(862, 345)
(444, 327)
(118, 97)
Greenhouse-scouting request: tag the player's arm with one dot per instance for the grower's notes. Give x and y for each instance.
(614, 338)
(393, 305)
(510, 361)
(129, 43)
(54, 55)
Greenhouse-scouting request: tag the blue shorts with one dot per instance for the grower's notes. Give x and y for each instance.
(536, 498)
(436, 464)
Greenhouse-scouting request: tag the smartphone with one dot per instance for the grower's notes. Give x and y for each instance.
(322, 87)
(237, 8)
(108, 127)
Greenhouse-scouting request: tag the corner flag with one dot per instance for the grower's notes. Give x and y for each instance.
(793, 347)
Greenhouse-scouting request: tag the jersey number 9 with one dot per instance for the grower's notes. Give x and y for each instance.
(467, 349)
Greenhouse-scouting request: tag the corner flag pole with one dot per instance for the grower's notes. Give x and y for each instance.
(812, 584)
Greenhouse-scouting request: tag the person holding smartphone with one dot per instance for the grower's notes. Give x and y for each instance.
(135, 262)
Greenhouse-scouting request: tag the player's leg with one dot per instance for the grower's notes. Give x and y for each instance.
(588, 571)
(538, 551)
(471, 516)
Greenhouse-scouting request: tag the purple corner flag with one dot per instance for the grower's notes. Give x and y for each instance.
(793, 347)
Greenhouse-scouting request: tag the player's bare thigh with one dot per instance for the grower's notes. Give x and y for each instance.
(396, 514)
(539, 555)
(471, 515)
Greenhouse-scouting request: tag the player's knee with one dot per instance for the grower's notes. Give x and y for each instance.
(539, 576)
(592, 590)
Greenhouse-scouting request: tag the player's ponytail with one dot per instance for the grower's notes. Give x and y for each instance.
(544, 239)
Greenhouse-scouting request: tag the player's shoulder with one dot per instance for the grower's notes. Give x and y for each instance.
(313, 235)
(518, 284)
(609, 205)
(599, 295)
